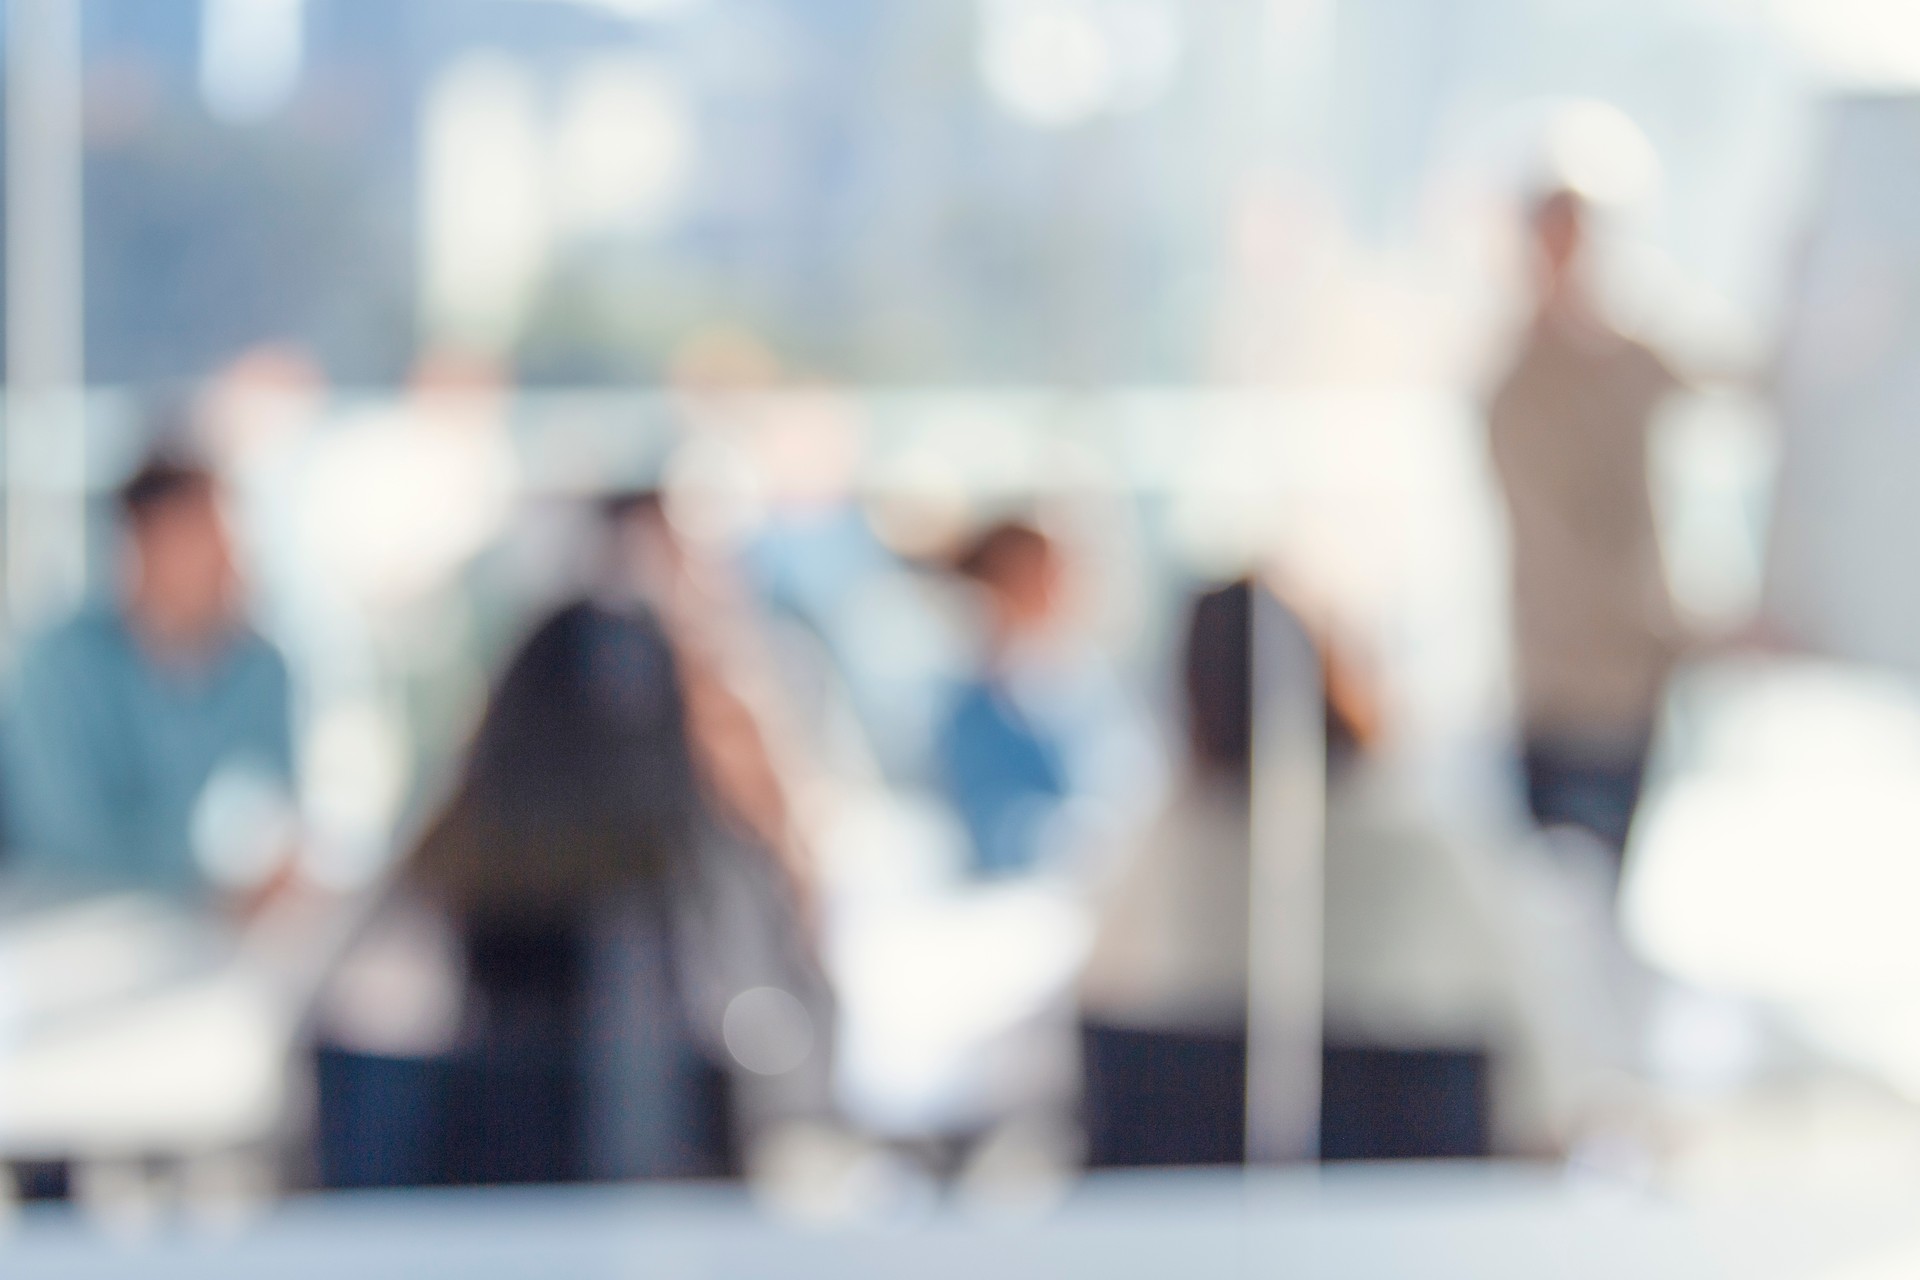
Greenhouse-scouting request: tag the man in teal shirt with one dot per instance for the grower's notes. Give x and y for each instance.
(124, 715)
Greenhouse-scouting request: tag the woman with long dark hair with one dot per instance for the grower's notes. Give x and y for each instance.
(578, 843)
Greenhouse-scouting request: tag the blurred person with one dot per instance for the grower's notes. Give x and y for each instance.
(369, 521)
(1595, 628)
(852, 624)
(1038, 743)
(762, 886)
(855, 636)
(573, 1031)
(1165, 995)
(649, 564)
(131, 716)
(1429, 1051)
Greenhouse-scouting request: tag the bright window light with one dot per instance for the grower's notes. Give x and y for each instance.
(1864, 42)
(485, 221)
(624, 146)
(251, 53)
(1058, 63)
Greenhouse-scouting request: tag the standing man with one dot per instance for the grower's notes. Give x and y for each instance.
(149, 735)
(1595, 627)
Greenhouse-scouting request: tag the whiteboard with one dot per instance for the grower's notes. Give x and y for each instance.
(1841, 576)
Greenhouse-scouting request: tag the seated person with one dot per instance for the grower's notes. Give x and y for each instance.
(1417, 1001)
(123, 715)
(1038, 752)
(570, 868)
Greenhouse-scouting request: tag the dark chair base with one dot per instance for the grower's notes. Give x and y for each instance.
(1164, 1098)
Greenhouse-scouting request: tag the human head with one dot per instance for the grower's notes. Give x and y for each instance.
(580, 778)
(1019, 570)
(1218, 670)
(641, 507)
(180, 578)
(1558, 223)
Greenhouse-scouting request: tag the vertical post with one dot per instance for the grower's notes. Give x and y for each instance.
(1284, 952)
(45, 521)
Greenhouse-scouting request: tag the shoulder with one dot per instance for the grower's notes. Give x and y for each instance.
(252, 646)
(973, 716)
(91, 638)
(972, 700)
(253, 658)
(1652, 366)
(1519, 379)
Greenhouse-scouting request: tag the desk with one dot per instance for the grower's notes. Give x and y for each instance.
(1459, 1223)
(129, 1028)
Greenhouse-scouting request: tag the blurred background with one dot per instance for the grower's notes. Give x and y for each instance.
(902, 601)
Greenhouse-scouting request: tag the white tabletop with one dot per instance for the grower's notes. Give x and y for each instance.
(1474, 1223)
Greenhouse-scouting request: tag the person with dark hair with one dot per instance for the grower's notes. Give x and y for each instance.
(553, 863)
(1164, 997)
(130, 719)
(579, 783)
(1164, 1040)
(606, 913)
(1595, 628)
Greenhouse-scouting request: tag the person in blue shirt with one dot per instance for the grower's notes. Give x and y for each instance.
(1003, 768)
(130, 717)
(1041, 752)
